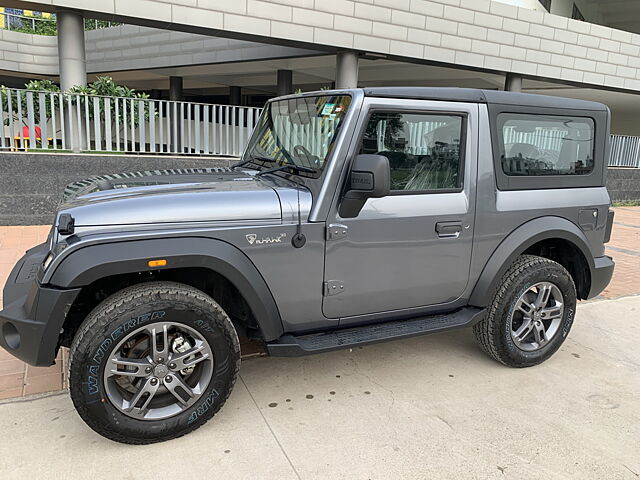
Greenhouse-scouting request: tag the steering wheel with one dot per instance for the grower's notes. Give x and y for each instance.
(302, 151)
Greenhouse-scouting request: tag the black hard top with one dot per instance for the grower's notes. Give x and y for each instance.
(473, 95)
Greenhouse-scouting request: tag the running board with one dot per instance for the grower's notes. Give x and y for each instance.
(294, 346)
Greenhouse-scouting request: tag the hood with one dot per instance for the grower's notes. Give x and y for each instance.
(172, 196)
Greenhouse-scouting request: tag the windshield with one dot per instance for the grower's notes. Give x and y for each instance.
(299, 131)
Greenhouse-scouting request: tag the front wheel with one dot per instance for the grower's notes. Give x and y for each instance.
(153, 362)
(531, 313)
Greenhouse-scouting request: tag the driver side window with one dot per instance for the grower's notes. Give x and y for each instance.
(424, 149)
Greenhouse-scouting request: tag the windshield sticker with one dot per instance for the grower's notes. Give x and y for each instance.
(328, 109)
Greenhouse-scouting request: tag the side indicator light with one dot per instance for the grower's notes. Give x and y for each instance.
(157, 263)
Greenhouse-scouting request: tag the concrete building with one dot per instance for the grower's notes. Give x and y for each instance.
(244, 51)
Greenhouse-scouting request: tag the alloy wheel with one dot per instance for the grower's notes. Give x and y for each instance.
(537, 315)
(158, 371)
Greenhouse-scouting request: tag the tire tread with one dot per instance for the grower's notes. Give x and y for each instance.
(487, 330)
(119, 304)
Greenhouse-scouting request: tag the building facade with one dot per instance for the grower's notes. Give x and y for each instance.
(244, 51)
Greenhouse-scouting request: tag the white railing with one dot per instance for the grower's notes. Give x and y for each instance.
(625, 151)
(61, 121)
(55, 121)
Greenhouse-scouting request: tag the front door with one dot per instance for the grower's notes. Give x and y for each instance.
(412, 248)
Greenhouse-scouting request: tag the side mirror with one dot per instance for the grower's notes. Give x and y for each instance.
(370, 177)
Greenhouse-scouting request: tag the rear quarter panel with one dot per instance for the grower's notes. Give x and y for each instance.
(500, 212)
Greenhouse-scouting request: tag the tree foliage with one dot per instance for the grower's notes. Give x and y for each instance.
(34, 86)
(106, 87)
(38, 25)
(102, 87)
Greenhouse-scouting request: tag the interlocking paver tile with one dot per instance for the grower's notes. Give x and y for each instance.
(624, 247)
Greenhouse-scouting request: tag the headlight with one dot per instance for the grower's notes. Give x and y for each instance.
(53, 253)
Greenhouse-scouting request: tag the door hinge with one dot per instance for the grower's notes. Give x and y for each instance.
(336, 231)
(333, 287)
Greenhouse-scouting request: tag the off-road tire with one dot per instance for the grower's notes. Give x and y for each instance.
(494, 331)
(94, 341)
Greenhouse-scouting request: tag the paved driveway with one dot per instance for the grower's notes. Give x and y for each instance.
(427, 407)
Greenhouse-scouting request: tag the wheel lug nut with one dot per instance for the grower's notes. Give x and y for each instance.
(147, 370)
(168, 379)
(172, 366)
(154, 381)
(160, 359)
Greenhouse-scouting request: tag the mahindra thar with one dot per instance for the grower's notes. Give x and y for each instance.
(354, 217)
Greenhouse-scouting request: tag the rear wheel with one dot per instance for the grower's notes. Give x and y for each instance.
(153, 362)
(531, 313)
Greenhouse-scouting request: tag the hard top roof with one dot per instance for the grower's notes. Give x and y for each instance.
(473, 95)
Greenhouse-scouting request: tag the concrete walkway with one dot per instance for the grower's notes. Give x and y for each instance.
(428, 407)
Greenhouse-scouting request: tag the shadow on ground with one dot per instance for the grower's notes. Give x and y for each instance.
(428, 407)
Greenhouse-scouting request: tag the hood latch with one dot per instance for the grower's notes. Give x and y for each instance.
(66, 224)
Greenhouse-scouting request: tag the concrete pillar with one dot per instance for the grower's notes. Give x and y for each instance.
(176, 93)
(235, 95)
(72, 65)
(513, 83)
(564, 8)
(71, 54)
(285, 82)
(346, 70)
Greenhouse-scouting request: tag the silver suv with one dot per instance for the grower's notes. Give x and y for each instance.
(355, 216)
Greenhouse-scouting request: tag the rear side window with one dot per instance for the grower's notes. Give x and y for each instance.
(543, 145)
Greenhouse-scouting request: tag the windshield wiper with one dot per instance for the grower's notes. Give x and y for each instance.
(253, 159)
(288, 166)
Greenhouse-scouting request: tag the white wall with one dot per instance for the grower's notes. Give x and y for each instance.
(482, 34)
(129, 47)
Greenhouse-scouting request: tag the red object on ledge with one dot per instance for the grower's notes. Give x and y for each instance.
(25, 132)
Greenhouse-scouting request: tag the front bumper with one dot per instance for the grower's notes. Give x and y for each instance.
(601, 274)
(33, 315)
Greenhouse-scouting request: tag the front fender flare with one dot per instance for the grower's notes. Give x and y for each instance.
(93, 262)
(516, 243)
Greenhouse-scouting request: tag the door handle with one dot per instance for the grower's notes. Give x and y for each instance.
(449, 229)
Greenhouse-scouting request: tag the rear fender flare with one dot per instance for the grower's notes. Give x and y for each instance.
(88, 264)
(516, 243)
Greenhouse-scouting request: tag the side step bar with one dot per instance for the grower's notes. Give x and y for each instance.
(294, 346)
